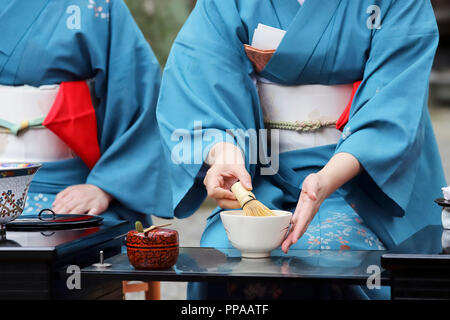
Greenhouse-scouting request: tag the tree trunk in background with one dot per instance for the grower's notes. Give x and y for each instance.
(160, 21)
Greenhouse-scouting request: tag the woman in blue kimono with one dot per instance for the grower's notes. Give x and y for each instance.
(371, 188)
(49, 42)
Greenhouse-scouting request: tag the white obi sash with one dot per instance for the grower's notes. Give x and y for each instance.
(303, 104)
(25, 103)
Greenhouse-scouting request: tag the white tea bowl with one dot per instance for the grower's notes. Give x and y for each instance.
(255, 236)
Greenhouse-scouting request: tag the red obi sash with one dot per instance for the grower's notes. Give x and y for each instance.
(72, 118)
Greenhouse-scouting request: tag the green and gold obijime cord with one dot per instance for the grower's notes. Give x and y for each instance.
(17, 128)
(300, 126)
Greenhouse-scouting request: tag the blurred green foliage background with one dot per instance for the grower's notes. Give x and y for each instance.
(160, 21)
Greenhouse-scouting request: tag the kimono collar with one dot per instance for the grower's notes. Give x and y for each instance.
(300, 41)
(16, 20)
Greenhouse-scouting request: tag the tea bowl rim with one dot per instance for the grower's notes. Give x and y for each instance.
(232, 213)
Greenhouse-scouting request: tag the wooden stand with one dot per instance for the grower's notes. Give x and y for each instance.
(152, 289)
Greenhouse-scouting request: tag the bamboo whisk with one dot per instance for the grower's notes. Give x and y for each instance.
(248, 202)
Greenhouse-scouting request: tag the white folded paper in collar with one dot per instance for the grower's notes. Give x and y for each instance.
(267, 38)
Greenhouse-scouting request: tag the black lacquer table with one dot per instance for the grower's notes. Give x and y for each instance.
(420, 266)
(209, 264)
(33, 264)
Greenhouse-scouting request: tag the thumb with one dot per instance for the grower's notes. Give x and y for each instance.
(244, 177)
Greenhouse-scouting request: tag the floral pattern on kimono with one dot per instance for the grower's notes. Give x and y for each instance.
(343, 231)
(37, 202)
(99, 10)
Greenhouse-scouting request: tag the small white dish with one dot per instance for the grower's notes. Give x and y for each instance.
(256, 237)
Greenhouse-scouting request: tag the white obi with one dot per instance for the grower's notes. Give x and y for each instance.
(24, 103)
(303, 103)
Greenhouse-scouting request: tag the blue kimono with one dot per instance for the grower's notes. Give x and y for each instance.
(53, 41)
(389, 44)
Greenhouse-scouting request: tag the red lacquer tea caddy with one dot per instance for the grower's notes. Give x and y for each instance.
(153, 250)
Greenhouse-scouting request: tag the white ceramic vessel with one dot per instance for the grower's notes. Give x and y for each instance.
(446, 218)
(446, 241)
(256, 237)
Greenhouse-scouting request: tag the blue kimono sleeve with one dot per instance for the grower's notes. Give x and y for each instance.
(389, 117)
(206, 90)
(127, 83)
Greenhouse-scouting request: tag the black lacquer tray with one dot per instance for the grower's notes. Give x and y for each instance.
(48, 220)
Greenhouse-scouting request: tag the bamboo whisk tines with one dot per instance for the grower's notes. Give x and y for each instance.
(248, 202)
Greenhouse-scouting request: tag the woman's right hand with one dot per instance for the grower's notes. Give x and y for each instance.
(227, 166)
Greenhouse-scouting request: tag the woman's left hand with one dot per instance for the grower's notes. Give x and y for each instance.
(81, 199)
(316, 188)
(314, 192)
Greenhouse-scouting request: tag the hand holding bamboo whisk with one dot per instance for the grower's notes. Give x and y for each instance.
(248, 202)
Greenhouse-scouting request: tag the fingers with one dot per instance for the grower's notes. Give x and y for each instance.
(79, 209)
(71, 206)
(59, 204)
(293, 237)
(212, 181)
(64, 201)
(296, 232)
(220, 193)
(63, 194)
(244, 177)
(225, 198)
(94, 211)
(219, 180)
(228, 204)
(299, 229)
(81, 199)
(304, 214)
(286, 244)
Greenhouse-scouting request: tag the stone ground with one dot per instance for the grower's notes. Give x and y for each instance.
(190, 229)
